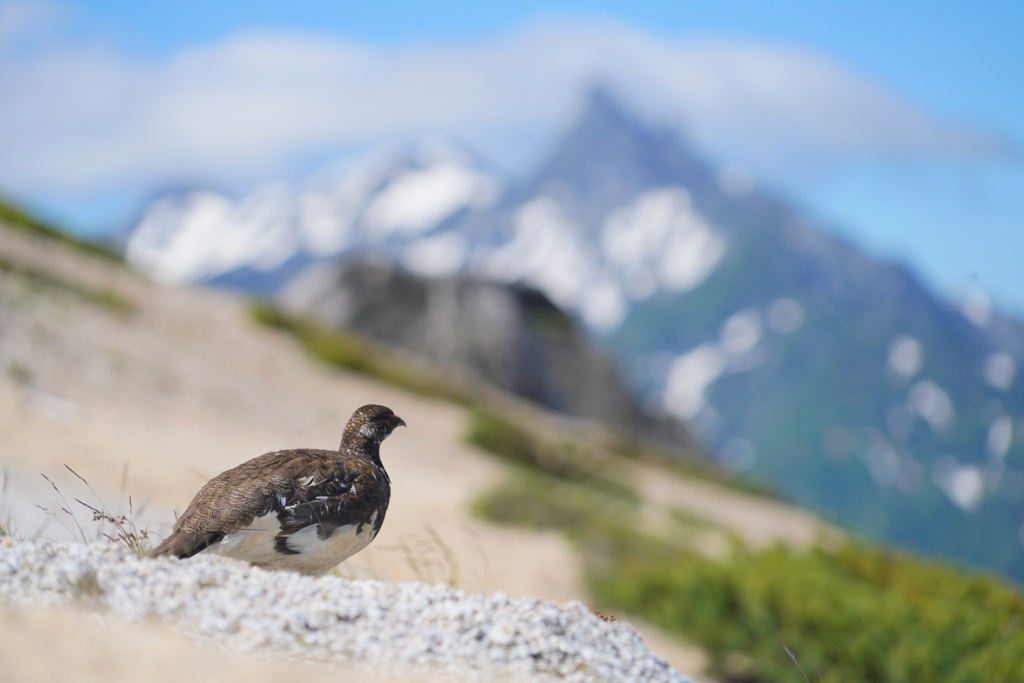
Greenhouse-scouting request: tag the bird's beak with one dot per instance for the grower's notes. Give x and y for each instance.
(400, 422)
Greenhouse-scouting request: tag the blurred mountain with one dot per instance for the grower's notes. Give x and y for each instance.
(510, 336)
(834, 375)
(392, 196)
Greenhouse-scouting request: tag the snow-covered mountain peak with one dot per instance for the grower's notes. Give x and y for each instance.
(392, 193)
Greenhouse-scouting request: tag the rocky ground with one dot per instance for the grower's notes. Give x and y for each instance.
(375, 628)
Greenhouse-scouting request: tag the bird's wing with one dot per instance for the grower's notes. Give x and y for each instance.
(345, 495)
(302, 487)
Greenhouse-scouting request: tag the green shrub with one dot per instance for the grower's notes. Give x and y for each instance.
(859, 613)
(356, 353)
(17, 218)
(536, 500)
(563, 458)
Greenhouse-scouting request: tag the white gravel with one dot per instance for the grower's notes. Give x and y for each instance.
(395, 628)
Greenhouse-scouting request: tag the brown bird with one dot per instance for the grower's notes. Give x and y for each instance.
(305, 509)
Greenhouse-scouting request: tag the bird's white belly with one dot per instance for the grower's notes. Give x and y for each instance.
(257, 544)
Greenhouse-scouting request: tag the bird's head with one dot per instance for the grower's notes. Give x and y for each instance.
(371, 423)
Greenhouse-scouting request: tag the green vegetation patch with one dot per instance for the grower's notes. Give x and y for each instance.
(110, 299)
(535, 500)
(857, 613)
(562, 457)
(17, 218)
(354, 352)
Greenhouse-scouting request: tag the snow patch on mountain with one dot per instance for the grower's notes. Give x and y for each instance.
(437, 255)
(977, 307)
(964, 485)
(906, 355)
(884, 462)
(785, 315)
(420, 199)
(741, 332)
(691, 374)
(1000, 436)
(660, 240)
(1000, 370)
(931, 403)
(689, 377)
(603, 305)
(655, 242)
(547, 250)
(186, 240)
(333, 200)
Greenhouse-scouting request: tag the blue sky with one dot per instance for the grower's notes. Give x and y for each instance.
(900, 123)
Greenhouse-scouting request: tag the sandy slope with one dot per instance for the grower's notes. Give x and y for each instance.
(185, 386)
(89, 648)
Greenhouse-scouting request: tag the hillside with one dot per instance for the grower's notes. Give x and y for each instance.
(147, 391)
(796, 357)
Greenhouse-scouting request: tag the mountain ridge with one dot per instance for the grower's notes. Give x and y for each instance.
(801, 359)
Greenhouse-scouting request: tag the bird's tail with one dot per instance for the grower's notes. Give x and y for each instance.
(186, 544)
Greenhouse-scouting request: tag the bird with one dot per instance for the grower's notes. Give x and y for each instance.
(304, 510)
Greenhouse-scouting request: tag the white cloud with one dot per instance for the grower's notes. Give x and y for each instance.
(85, 119)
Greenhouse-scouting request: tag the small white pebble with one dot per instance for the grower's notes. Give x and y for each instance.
(499, 635)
